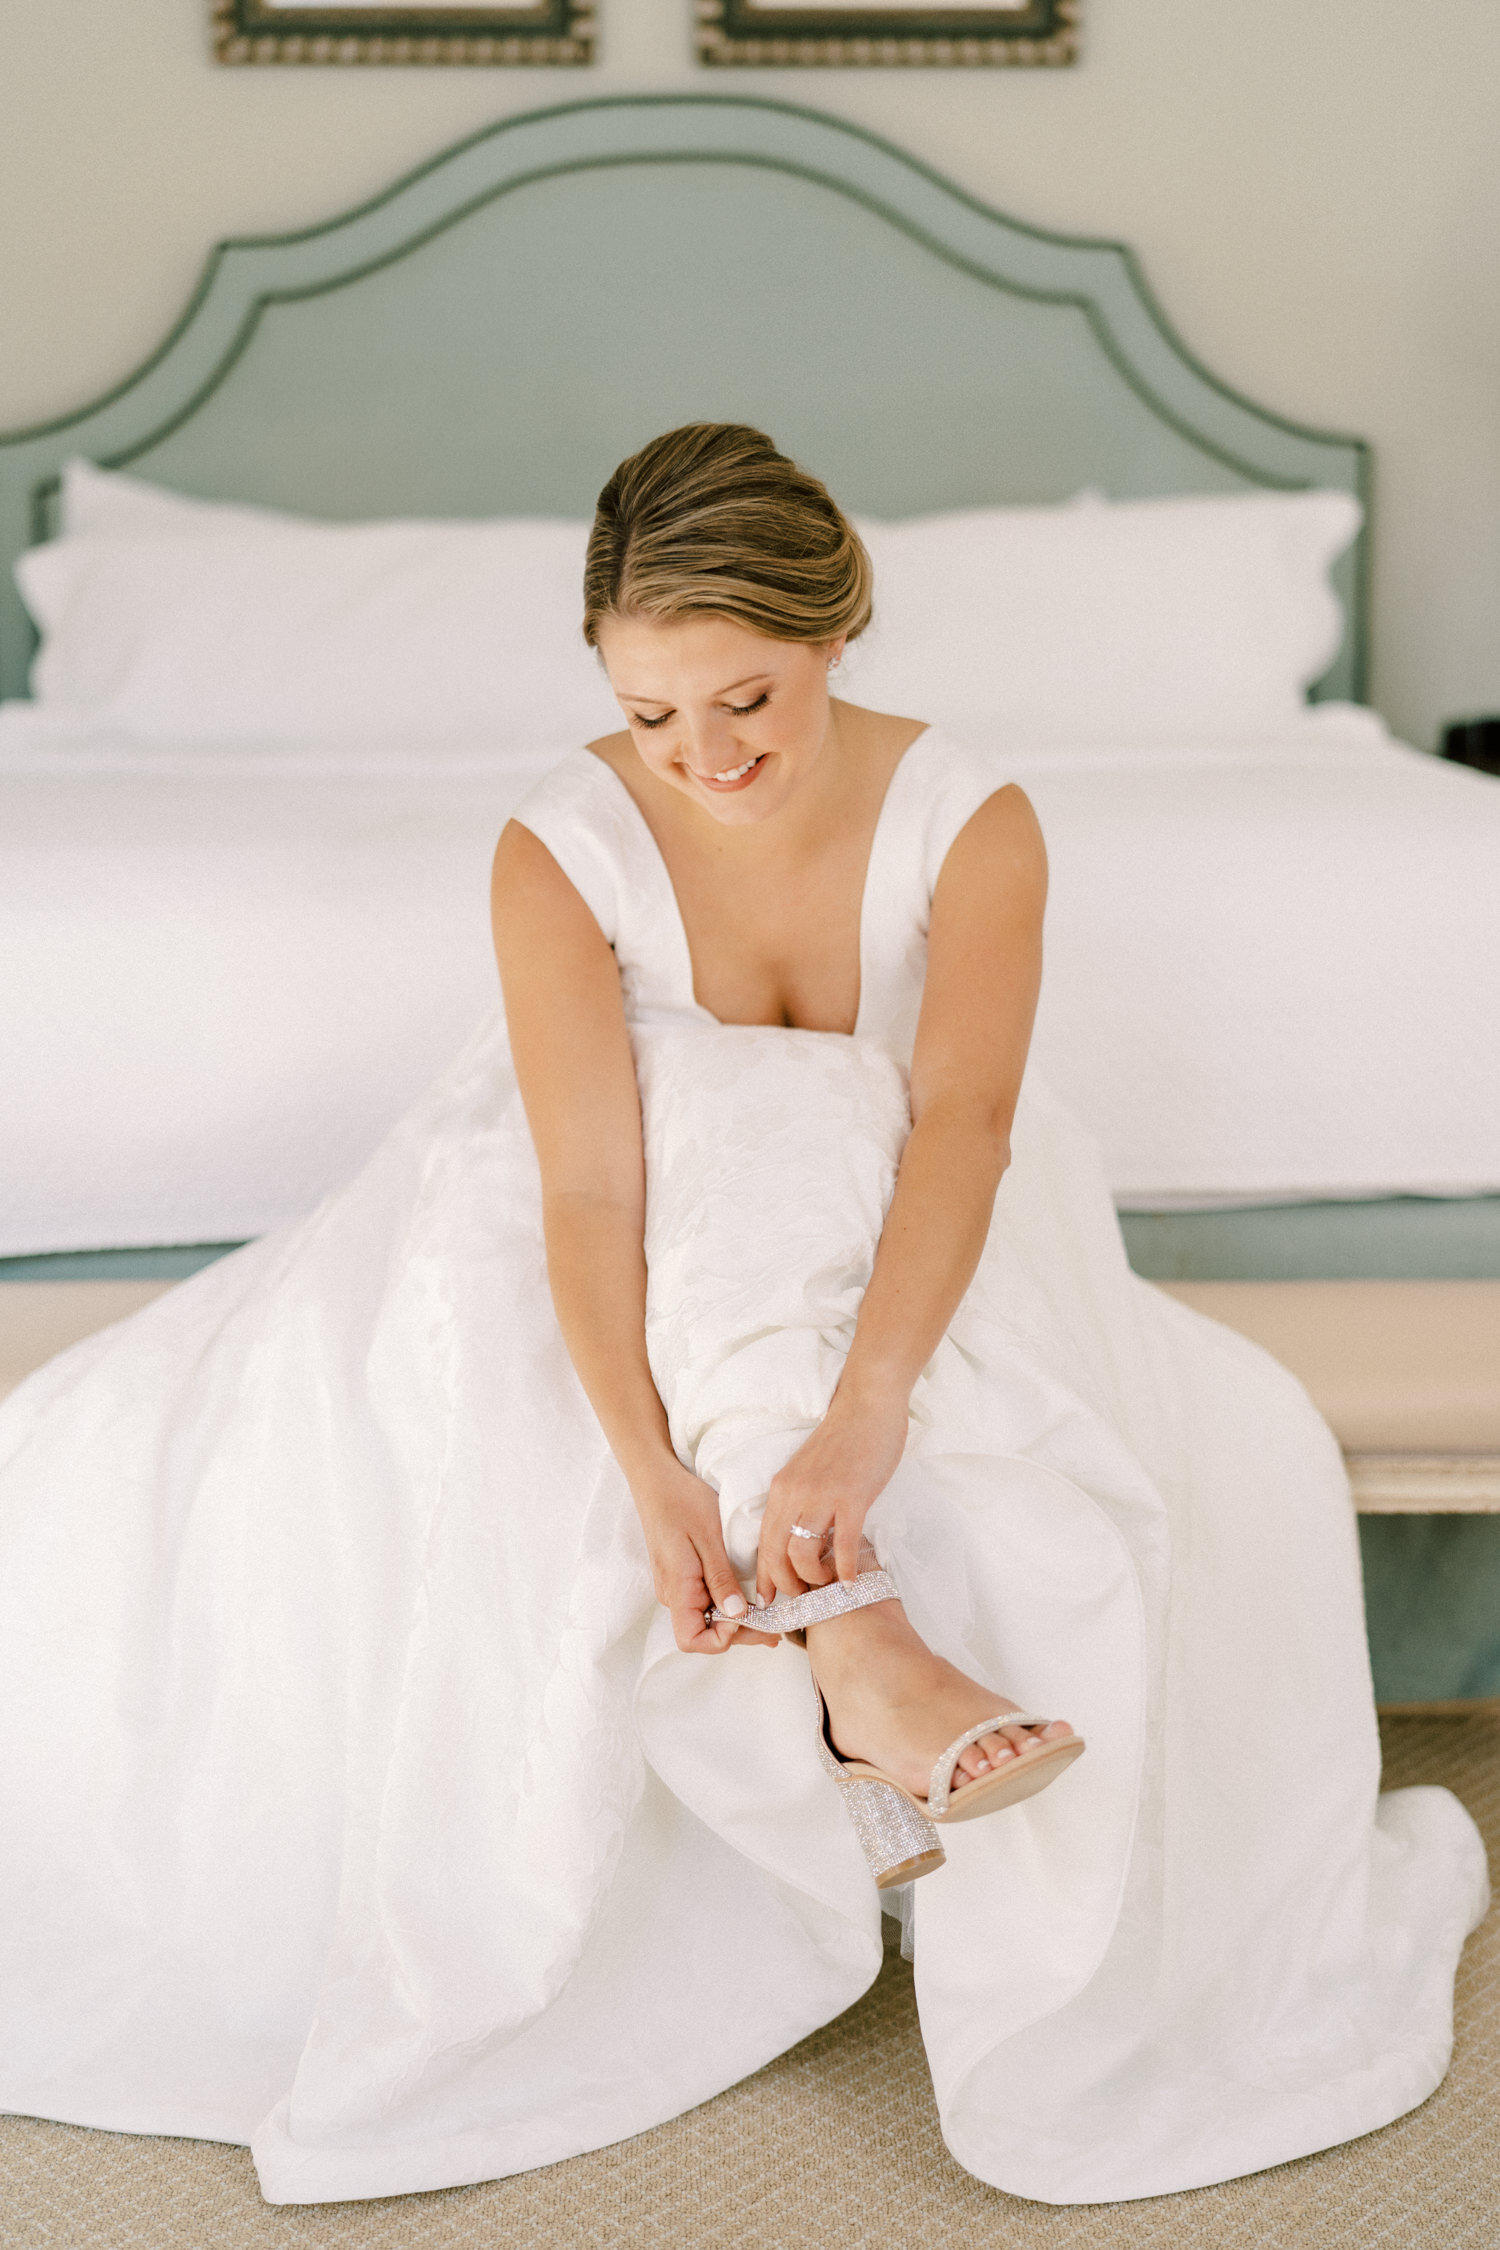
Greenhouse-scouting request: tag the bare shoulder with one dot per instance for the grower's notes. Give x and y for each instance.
(523, 864)
(999, 847)
(535, 909)
(614, 750)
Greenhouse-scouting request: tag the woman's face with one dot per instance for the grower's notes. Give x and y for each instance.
(732, 720)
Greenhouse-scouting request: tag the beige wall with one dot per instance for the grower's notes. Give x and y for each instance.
(1314, 186)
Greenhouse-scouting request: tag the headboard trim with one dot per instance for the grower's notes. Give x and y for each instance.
(246, 275)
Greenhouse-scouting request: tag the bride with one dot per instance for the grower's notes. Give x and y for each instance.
(466, 1655)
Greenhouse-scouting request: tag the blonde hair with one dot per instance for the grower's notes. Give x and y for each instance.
(710, 520)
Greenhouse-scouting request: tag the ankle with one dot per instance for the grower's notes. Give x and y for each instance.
(860, 1640)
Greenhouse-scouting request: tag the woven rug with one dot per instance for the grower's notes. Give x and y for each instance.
(834, 2147)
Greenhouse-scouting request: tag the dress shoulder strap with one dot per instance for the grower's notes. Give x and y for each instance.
(944, 785)
(936, 789)
(583, 817)
(593, 828)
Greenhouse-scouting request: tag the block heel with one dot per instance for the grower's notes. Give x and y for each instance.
(898, 1842)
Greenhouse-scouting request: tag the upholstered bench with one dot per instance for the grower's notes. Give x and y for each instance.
(1406, 1372)
(40, 1318)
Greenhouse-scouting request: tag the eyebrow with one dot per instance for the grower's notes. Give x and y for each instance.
(734, 685)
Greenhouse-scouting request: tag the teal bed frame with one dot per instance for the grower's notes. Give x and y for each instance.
(495, 331)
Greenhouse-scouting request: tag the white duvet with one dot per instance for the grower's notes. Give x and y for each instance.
(1273, 969)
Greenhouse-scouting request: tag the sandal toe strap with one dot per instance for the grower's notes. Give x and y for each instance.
(940, 1787)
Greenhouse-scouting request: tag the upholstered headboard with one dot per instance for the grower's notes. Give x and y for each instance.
(499, 328)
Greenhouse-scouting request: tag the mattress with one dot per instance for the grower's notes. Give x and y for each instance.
(1273, 980)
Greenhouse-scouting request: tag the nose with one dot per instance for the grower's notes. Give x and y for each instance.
(710, 743)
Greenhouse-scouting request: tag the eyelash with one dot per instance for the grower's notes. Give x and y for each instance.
(740, 711)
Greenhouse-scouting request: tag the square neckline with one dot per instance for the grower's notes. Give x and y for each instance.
(679, 926)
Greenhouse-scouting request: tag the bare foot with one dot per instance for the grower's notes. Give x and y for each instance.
(894, 1704)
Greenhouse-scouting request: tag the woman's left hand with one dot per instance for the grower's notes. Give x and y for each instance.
(829, 1485)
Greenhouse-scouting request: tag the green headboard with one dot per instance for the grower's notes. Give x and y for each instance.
(499, 328)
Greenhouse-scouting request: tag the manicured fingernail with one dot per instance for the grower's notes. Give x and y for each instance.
(758, 1598)
(734, 1606)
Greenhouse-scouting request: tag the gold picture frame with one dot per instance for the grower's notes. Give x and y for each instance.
(845, 33)
(402, 32)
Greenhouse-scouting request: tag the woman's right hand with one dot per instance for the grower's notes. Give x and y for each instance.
(685, 1540)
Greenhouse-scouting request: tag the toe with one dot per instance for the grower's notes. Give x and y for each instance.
(981, 1757)
(1057, 1730)
(1020, 1739)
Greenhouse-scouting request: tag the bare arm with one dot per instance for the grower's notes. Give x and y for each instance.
(577, 1077)
(983, 975)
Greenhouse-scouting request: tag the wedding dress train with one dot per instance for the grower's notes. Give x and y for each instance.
(355, 1802)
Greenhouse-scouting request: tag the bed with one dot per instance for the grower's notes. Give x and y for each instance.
(230, 963)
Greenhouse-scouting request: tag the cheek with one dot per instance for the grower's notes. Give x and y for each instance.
(790, 721)
(656, 751)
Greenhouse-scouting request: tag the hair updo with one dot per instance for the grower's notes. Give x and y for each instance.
(710, 520)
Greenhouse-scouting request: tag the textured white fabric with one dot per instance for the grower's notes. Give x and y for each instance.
(1273, 972)
(1198, 619)
(223, 977)
(355, 1802)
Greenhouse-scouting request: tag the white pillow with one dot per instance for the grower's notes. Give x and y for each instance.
(1202, 618)
(1167, 619)
(103, 501)
(287, 630)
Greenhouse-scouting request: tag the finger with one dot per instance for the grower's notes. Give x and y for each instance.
(696, 1637)
(846, 1546)
(719, 1579)
(723, 1586)
(775, 1571)
(688, 1603)
(810, 1557)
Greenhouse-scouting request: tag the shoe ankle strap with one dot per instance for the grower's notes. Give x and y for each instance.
(793, 1613)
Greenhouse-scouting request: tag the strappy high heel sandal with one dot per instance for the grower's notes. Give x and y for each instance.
(896, 1829)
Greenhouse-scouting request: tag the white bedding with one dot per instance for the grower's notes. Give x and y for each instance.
(1273, 972)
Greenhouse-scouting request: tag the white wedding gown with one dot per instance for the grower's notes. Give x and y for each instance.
(357, 1805)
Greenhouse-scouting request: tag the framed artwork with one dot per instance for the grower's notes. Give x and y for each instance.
(403, 31)
(845, 32)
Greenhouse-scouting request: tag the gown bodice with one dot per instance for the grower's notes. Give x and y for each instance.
(595, 831)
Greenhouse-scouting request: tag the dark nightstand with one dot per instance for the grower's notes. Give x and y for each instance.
(1473, 742)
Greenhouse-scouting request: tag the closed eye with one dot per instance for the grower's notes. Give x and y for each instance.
(737, 710)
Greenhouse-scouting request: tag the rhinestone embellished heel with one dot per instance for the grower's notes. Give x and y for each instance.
(899, 1842)
(896, 1828)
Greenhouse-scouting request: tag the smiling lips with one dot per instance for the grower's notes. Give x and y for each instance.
(733, 777)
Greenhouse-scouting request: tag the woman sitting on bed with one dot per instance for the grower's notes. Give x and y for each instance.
(763, 796)
(360, 1801)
